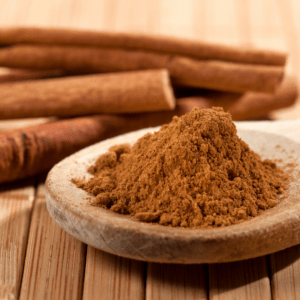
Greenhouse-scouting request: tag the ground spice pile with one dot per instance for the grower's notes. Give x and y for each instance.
(193, 172)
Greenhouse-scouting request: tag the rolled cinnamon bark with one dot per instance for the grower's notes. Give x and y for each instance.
(28, 151)
(125, 92)
(21, 123)
(161, 44)
(79, 59)
(220, 75)
(250, 105)
(225, 76)
(12, 75)
(257, 105)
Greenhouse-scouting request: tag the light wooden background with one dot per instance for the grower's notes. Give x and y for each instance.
(38, 260)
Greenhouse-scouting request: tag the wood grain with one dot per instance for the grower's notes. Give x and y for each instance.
(272, 24)
(243, 22)
(16, 201)
(54, 265)
(246, 279)
(285, 274)
(176, 282)
(113, 278)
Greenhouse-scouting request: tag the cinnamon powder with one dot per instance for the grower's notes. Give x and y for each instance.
(193, 172)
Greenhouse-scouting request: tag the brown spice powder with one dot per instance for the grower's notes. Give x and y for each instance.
(193, 172)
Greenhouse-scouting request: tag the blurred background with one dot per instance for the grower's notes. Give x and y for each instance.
(261, 24)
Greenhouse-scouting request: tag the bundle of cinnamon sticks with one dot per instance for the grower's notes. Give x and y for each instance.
(111, 83)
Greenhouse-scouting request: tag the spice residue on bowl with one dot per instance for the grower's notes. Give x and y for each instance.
(193, 172)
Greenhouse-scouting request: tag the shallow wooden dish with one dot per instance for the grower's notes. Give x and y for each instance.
(275, 230)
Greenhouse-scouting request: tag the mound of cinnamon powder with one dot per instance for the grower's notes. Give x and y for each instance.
(193, 172)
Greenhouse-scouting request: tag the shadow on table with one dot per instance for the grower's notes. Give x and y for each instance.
(234, 278)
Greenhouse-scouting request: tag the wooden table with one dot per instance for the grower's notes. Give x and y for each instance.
(38, 260)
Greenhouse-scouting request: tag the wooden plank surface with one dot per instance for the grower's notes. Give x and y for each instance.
(176, 282)
(108, 276)
(246, 279)
(285, 274)
(55, 261)
(16, 201)
(54, 266)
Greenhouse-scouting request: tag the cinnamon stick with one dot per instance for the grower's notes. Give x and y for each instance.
(125, 92)
(28, 151)
(225, 76)
(257, 105)
(196, 49)
(250, 105)
(220, 75)
(12, 75)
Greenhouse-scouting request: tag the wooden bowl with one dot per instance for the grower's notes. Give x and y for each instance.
(276, 229)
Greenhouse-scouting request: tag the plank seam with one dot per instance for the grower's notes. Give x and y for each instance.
(36, 183)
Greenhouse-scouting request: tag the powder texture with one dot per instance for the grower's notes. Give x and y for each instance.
(193, 172)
